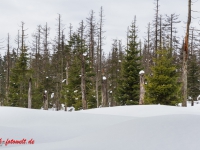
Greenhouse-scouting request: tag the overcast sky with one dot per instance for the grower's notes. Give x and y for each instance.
(118, 15)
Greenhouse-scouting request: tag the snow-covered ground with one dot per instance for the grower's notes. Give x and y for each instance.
(148, 127)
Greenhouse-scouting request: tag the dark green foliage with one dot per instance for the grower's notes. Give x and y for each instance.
(37, 97)
(19, 81)
(162, 86)
(71, 93)
(193, 77)
(113, 71)
(51, 63)
(128, 90)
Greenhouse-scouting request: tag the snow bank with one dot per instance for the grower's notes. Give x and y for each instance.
(152, 127)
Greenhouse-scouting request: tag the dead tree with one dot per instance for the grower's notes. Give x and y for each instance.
(156, 25)
(83, 54)
(100, 50)
(97, 75)
(45, 100)
(29, 93)
(170, 28)
(8, 69)
(91, 36)
(17, 41)
(185, 57)
(36, 50)
(147, 49)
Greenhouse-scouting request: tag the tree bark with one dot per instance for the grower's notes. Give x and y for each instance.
(83, 86)
(29, 94)
(97, 75)
(8, 69)
(83, 90)
(156, 28)
(104, 94)
(185, 57)
(45, 100)
(142, 90)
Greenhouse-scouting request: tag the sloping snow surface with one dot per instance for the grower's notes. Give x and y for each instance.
(150, 127)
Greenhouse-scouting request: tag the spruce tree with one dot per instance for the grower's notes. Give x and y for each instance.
(128, 90)
(193, 78)
(71, 92)
(19, 81)
(162, 84)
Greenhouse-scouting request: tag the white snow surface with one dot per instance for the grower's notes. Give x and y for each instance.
(144, 127)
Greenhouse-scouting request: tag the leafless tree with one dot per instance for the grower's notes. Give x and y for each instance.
(185, 56)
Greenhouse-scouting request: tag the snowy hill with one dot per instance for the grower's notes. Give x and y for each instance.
(152, 127)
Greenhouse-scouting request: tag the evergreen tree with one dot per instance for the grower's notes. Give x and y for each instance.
(162, 86)
(193, 78)
(128, 90)
(19, 81)
(71, 92)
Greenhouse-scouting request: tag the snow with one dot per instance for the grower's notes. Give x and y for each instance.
(104, 78)
(52, 95)
(141, 72)
(63, 80)
(144, 127)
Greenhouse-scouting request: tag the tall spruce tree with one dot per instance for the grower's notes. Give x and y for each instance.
(71, 92)
(19, 81)
(19, 77)
(162, 86)
(128, 90)
(193, 78)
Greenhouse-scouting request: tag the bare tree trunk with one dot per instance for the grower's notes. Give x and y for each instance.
(45, 100)
(67, 73)
(70, 31)
(29, 94)
(185, 57)
(148, 48)
(97, 75)
(62, 59)
(171, 34)
(18, 41)
(104, 93)
(67, 78)
(156, 29)
(142, 90)
(91, 35)
(127, 35)
(83, 90)
(8, 69)
(184, 78)
(22, 38)
(65, 106)
(100, 37)
(160, 46)
(192, 40)
(83, 86)
(57, 97)
(100, 49)
(97, 91)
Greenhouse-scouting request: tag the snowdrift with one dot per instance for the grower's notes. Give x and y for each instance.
(152, 127)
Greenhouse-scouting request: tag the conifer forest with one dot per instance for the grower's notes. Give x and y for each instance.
(73, 69)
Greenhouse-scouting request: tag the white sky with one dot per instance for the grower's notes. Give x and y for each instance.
(118, 15)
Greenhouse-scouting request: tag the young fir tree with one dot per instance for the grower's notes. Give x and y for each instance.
(193, 78)
(19, 81)
(162, 86)
(128, 90)
(71, 92)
